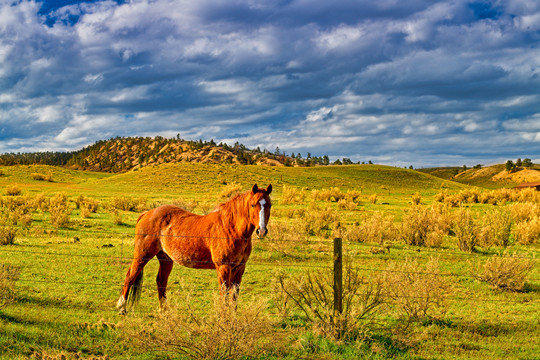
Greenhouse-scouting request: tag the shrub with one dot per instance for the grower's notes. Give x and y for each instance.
(465, 230)
(292, 195)
(416, 225)
(42, 177)
(59, 210)
(528, 195)
(284, 238)
(417, 292)
(524, 211)
(41, 202)
(116, 216)
(188, 205)
(87, 205)
(440, 197)
(9, 274)
(345, 204)
(416, 199)
(122, 203)
(527, 232)
(221, 333)
(312, 294)
(13, 190)
(230, 190)
(496, 229)
(375, 228)
(333, 194)
(505, 272)
(354, 196)
(319, 222)
(7, 233)
(373, 199)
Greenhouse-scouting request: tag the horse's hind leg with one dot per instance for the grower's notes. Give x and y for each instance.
(165, 267)
(140, 259)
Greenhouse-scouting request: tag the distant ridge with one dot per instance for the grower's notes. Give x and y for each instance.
(122, 154)
(487, 176)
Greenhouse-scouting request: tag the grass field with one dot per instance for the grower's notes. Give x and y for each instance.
(71, 274)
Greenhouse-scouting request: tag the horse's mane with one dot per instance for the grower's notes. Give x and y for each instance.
(232, 206)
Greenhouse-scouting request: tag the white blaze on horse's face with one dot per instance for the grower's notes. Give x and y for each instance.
(261, 231)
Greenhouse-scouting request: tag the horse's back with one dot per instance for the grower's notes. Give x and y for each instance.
(175, 232)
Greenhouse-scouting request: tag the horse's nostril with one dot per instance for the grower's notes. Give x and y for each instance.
(257, 231)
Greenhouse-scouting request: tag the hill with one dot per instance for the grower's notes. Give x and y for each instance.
(124, 154)
(489, 176)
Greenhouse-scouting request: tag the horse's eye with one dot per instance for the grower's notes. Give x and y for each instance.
(253, 205)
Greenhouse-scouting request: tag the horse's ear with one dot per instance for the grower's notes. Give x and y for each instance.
(269, 189)
(254, 189)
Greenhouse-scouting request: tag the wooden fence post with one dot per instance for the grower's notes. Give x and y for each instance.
(338, 286)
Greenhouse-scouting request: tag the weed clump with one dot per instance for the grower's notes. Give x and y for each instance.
(312, 294)
(507, 272)
(527, 232)
(223, 332)
(59, 210)
(127, 204)
(423, 226)
(496, 229)
(376, 228)
(416, 292)
(319, 222)
(230, 190)
(9, 274)
(465, 229)
(42, 177)
(292, 195)
(7, 230)
(87, 205)
(13, 190)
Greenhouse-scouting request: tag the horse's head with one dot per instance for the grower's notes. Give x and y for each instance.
(260, 203)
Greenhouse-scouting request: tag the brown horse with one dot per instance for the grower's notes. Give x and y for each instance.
(220, 240)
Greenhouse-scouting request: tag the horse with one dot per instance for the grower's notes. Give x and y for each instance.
(220, 240)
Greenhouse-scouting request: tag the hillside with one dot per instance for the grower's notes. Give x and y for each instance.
(124, 154)
(488, 176)
(189, 178)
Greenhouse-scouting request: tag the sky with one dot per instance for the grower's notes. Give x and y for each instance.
(416, 82)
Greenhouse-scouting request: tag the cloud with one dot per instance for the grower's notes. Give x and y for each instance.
(422, 82)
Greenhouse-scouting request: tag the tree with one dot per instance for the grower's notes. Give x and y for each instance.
(510, 165)
(326, 160)
(527, 163)
(518, 162)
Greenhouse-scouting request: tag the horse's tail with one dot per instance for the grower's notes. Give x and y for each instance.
(134, 293)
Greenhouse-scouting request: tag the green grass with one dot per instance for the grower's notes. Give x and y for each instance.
(71, 277)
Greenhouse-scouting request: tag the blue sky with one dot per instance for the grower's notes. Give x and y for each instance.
(427, 83)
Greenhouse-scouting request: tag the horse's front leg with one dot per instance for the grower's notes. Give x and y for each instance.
(236, 279)
(224, 273)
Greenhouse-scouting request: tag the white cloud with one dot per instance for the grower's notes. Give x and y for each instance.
(416, 78)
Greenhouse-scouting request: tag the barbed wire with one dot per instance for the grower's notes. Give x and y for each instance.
(205, 292)
(301, 241)
(281, 264)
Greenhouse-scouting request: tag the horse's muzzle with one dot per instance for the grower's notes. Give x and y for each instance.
(261, 232)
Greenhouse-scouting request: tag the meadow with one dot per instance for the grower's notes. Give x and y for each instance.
(434, 269)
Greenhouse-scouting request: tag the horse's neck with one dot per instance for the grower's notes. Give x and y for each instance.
(235, 218)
